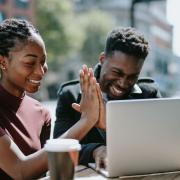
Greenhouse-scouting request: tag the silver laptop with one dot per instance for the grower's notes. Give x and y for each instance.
(143, 137)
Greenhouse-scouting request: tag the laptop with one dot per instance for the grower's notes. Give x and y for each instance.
(143, 137)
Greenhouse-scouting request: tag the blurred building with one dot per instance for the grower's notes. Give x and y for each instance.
(18, 9)
(150, 19)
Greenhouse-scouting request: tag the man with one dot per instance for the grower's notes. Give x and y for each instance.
(117, 74)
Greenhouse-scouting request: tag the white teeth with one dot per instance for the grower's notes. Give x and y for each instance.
(117, 91)
(34, 81)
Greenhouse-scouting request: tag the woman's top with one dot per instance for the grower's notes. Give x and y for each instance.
(2, 133)
(25, 121)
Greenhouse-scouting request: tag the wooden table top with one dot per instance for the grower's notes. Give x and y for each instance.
(85, 173)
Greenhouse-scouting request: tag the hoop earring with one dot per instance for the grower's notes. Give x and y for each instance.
(3, 68)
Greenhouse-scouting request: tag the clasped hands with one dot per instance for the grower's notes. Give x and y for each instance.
(92, 109)
(91, 105)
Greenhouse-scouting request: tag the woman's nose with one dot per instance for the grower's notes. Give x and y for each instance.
(41, 70)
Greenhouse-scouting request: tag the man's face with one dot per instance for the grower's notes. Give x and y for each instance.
(119, 73)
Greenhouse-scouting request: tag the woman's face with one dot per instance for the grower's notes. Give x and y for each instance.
(25, 66)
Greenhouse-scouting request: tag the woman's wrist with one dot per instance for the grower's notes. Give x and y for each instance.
(89, 120)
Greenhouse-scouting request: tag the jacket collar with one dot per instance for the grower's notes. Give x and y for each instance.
(136, 89)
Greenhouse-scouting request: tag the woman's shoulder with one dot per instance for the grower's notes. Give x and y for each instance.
(31, 102)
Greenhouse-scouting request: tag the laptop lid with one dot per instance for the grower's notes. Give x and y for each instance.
(143, 136)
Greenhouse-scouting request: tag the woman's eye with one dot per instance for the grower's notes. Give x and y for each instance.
(29, 64)
(43, 63)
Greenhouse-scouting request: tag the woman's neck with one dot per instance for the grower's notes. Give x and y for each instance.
(12, 90)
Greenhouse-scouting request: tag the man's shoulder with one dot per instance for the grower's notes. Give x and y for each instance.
(148, 86)
(145, 80)
(69, 83)
(72, 85)
(147, 83)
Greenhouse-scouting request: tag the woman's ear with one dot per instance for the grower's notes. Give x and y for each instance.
(102, 58)
(2, 62)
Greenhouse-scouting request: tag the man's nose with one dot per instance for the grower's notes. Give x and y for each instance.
(123, 83)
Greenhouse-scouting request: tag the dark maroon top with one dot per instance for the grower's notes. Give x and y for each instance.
(25, 121)
(1, 132)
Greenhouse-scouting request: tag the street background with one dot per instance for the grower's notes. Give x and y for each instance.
(74, 32)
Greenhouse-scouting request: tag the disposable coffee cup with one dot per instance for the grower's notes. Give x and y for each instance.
(62, 158)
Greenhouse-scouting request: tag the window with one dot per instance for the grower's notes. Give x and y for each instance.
(2, 16)
(161, 66)
(2, 1)
(22, 3)
(21, 17)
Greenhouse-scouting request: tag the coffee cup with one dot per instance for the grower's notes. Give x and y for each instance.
(62, 158)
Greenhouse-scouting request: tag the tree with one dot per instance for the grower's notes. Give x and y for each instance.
(97, 26)
(55, 20)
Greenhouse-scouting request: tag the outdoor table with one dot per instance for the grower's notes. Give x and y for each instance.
(86, 173)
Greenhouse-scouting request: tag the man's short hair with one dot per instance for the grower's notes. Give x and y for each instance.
(128, 41)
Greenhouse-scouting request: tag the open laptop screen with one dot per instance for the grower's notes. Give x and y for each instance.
(143, 136)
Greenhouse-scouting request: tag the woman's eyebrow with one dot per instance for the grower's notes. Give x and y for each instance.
(35, 56)
(31, 55)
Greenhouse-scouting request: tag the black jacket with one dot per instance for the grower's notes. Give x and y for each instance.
(66, 116)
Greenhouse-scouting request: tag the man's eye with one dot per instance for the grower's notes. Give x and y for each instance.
(117, 73)
(133, 77)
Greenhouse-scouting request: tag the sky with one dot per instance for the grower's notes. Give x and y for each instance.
(173, 14)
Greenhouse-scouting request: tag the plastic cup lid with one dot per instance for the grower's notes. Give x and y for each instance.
(62, 145)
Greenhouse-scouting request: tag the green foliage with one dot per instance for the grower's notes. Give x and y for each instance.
(57, 26)
(67, 33)
(97, 26)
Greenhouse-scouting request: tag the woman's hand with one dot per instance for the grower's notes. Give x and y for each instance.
(92, 105)
(89, 104)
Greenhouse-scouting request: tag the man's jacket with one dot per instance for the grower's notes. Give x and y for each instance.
(66, 116)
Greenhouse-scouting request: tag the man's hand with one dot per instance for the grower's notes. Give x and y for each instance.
(100, 157)
(102, 111)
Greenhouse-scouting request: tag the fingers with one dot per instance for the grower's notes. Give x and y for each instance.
(92, 87)
(84, 73)
(76, 107)
(89, 104)
(97, 161)
(91, 74)
(86, 76)
(100, 157)
(81, 75)
(100, 163)
(102, 120)
(99, 93)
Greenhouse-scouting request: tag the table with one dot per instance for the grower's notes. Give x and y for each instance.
(85, 173)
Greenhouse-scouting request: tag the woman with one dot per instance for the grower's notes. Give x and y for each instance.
(22, 119)
(24, 123)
